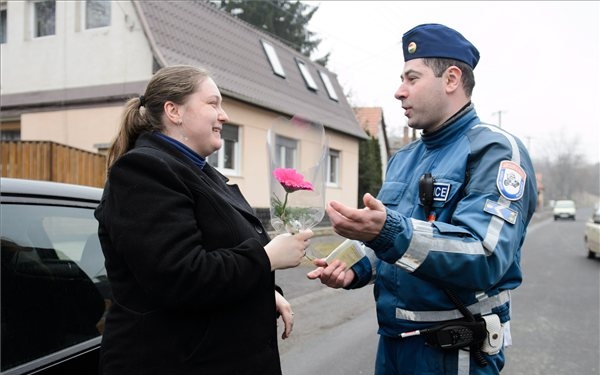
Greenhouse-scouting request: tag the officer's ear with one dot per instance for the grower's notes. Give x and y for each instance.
(452, 78)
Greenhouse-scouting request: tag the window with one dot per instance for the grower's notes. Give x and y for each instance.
(10, 135)
(44, 18)
(2, 23)
(10, 131)
(328, 86)
(273, 59)
(285, 152)
(97, 13)
(227, 158)
(333, 168)
(308, 79)
(54, 284)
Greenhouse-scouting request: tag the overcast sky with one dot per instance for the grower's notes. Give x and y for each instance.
(539, 63)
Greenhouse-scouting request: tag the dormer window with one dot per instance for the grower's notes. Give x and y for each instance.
(308, 79)
(328, 86)
(273, 58)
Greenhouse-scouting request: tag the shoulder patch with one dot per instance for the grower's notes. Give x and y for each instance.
(503, 212)
(511, 180)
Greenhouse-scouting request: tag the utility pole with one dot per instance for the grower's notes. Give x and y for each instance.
(528, 137)
(499, 113)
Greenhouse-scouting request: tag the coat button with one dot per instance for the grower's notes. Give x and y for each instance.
(258, 229)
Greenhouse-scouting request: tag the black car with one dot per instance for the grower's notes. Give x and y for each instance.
(54, 287)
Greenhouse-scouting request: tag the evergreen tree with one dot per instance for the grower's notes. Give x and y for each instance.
(286, 20)
(369, 168)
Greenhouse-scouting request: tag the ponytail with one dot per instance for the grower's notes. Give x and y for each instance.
(133, 123)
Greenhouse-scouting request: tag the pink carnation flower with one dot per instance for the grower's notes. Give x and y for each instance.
(291, 180)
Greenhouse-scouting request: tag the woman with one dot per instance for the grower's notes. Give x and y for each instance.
(190, 265)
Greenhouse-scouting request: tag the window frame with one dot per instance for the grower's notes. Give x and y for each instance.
(333, 156)
(34, 19)
(3, 23)
(328, 86)
(311, 84)
(273, 58)
(84, 15)
(221, 153)
(282, 149)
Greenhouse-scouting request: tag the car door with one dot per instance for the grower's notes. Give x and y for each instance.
(54, 287)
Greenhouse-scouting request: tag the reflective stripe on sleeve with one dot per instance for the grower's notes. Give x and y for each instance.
(495, 226)
(423, 242)
(492, 234)
(516, 155)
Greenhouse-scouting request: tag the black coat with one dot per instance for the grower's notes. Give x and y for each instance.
(192, 283)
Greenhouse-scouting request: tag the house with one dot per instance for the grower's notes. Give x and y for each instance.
(69, 66)
(371, 120)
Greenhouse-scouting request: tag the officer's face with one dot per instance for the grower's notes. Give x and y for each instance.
(423, 96)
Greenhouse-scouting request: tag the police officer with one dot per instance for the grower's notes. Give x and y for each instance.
(443, 238)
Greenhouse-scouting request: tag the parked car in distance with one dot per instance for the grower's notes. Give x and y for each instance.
(564, 209)
(54, 286)
(592, 234)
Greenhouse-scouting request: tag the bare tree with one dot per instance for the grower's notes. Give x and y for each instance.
(563, 167)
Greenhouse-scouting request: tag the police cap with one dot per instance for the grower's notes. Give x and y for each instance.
(435, 40)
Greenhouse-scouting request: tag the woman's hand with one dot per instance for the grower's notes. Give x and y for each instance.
(287, 315)
(286, 250)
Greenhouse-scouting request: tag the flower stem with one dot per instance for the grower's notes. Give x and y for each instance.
(283, 218)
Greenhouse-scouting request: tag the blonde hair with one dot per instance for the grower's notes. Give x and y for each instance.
(145, 113)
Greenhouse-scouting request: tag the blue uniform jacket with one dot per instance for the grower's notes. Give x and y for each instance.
(484, 197)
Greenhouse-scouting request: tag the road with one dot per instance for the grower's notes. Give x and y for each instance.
(555, 325)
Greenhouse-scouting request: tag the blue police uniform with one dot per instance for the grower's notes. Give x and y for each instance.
(484, 195)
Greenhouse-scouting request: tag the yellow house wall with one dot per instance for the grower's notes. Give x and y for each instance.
(81, 128)
(86, 127)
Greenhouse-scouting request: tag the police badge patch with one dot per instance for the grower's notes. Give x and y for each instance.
(501, 211)
(511, 180)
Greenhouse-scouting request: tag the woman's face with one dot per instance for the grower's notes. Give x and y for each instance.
(202, 119)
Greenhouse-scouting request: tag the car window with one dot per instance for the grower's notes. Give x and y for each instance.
(54, 285)
(565, 204)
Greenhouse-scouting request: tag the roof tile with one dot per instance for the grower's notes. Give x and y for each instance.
(196, 32)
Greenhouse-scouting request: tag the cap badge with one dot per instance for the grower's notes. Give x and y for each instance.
(412, 47)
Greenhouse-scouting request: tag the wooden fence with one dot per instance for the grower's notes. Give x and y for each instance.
(49, 161)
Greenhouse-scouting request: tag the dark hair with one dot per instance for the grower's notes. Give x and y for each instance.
(439, 66)
(145, 113)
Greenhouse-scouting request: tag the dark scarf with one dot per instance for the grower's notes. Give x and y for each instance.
(193, 156)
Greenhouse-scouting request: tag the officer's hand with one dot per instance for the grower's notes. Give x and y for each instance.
(333, 275)
(358, 224)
